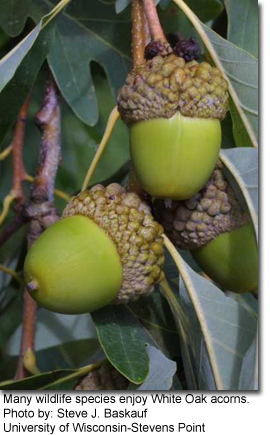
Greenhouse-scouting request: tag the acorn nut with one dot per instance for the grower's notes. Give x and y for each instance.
(105, 249)
(173, 109)
(217, 231)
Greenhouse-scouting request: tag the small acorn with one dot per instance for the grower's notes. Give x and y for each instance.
(104, 378)
(173, 109)
(106, 248)
(217, 231)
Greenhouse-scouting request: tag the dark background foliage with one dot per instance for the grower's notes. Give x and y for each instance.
(88, 49)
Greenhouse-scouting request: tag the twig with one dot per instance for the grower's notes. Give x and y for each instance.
(41, 213)
(28, 334)
(48, 119)
(19, 173)
(57, 192)
(140, 38)
(140, 33)
(153, 20)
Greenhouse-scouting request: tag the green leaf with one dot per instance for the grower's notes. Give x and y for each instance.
(10, 63)
(242, 164)
(215, 329)
(13, 15)
(156, 317)
(227, 331)
(247, 300)
(16, 91)
(227, 134)
(55, 329)
(81, 141)
(173, 20)
(61, 341)
(161, 372)
(243, 24)
(39, 381)
(54, 380)
(67, 355)
(240, 68)
(247, 378)
(176, 384)
(240, 134)
(123, 336)
(10, 318)
(121, 5)
(187, 334)
(205, 9)
(123, 341)
(20, 67)
(103, 37)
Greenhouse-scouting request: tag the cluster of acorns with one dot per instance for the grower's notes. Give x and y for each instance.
(107, 247)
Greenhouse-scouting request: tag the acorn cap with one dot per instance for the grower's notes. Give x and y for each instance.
(104, 378)
(159, 47)
(189, 49)
(130, 225)
(164, 85)
(193, 223)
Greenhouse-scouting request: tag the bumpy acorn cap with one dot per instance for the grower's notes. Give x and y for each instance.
(163, 85)
(195, 222)
(157, 47)
(104, 378)
(128, 221)
(189, 49)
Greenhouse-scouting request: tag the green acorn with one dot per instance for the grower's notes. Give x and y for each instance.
(217, 231)
(107, 248)
(174, 109)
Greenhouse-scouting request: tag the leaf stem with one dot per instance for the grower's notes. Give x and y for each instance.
(81, 372)
(182, 323)
(113, 118)
(29, 362)
(168, 293)
(153, 20)
(196, 303)
(4, 154)
(140, 33)
(6, 206)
